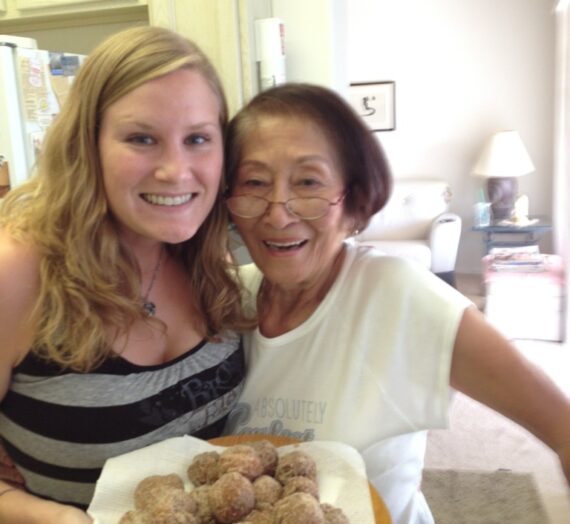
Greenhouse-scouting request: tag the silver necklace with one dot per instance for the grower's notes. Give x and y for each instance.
(148, 306)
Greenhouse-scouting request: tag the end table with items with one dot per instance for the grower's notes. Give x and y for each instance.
(524, 289)
(507, 233)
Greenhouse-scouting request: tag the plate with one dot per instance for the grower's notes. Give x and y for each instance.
(381, 514)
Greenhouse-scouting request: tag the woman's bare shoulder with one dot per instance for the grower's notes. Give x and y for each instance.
(19, 263)
(19, 283)
(19, 286)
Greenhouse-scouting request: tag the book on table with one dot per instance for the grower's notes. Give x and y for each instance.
(524, 258)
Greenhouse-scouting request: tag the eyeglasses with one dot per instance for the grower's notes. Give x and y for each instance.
(306, 208)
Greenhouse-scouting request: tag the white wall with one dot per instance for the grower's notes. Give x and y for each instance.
(315, 40)
(562, 143)
(463, 70)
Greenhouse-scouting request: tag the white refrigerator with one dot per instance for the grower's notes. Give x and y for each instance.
(33, 84)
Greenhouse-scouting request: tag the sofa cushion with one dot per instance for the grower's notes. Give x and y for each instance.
(410, 211)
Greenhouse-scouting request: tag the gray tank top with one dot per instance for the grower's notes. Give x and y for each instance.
(59, 426)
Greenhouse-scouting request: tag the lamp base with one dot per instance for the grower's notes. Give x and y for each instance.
(502, 192)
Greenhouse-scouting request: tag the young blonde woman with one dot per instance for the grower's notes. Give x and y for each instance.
(118, 310)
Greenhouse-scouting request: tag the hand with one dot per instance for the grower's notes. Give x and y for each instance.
(61, 514)
(19, 506)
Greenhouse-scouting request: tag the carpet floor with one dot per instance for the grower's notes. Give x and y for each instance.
(483, 497)
(479, 439)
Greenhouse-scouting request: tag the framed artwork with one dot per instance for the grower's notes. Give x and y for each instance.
(375, 102)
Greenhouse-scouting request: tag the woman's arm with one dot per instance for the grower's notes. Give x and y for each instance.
(488, 368)
(18, 289)
(19, 507)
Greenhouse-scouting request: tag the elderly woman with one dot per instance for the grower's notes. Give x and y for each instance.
(352, 345)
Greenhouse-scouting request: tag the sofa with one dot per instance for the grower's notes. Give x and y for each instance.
(416, 223)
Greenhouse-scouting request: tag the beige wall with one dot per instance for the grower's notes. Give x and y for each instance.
(213, 25)
(562, 142)
(463, 70)
(315, 40)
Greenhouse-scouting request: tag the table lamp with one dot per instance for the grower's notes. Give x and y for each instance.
(504, 158)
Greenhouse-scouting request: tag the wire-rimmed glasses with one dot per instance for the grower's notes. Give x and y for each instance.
(305, 208)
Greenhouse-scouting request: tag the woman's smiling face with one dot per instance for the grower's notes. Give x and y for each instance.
(161, 154)
(285, 157)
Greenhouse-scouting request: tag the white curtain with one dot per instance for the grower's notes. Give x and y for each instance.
(561, 215)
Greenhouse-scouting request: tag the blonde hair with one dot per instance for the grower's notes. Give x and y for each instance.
(90, 284)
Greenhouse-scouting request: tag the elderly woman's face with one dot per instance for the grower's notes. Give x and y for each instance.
(285, 158)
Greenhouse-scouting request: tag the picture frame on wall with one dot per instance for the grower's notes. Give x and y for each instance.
(375, 102)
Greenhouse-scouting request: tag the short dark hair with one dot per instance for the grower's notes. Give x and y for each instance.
(363, 162)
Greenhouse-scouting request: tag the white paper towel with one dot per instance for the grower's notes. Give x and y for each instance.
(340, 469)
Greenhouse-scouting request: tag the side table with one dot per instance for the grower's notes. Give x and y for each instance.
(513, 235)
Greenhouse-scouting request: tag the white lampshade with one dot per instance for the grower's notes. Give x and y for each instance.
(504, 155)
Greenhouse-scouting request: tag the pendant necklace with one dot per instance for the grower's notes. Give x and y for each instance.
(148, 306)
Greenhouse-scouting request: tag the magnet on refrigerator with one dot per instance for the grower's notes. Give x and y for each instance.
(34, 84)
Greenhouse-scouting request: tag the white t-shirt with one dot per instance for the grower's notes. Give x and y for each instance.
(369, 368)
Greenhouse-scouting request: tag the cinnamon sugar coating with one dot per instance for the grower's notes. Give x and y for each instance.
(297, 508)
(296, 463)
(257, 516)
(203, 511)
(267, 491)
(334, 515)
(172, 506)
(231, 498)
(134, 517)
(268, 454)
(204, 468)
(149, 488)
(240, 459)
(301, 485)
(234, 487)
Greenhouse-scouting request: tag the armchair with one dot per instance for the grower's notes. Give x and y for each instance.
(416, 223)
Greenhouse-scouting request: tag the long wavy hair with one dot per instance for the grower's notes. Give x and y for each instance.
(364, 165)
(90, 282)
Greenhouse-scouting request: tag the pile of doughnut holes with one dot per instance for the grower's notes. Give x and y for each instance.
(243, 484)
